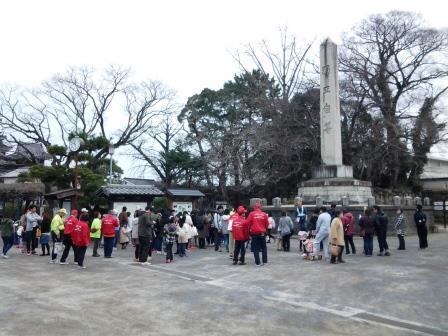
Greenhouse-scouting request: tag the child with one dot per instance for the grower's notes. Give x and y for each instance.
(124, 239)
(303, 235)
(308, 244)
(169, 231)
(19, 233)
(45, 234)
(270, 228)
(279, 240)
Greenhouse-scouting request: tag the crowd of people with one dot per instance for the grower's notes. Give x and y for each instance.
(323, 234)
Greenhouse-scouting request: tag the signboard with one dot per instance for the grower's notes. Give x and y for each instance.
(438, 206)
(183, 206)
(223, 204)
(131, 206)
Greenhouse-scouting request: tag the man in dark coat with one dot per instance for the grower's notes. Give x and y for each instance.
(422, 230)
(145, 236)
(381, 223)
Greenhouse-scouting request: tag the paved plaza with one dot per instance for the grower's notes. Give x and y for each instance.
(405, 294)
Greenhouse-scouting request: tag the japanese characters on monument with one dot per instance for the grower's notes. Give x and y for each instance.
(330, 123)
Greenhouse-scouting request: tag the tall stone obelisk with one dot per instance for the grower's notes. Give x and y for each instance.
(332, 181)
(330, 115)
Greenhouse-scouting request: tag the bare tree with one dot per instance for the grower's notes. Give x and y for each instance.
(156, 151)
(395, 64)
(85, 103)
(287, 66)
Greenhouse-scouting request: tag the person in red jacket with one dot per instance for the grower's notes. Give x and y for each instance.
(81, 238)
(69, 224)
(258, 225)
(348, 221)
(240, 231)
(108, 225)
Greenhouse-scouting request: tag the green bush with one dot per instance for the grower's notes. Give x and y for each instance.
(160, 203)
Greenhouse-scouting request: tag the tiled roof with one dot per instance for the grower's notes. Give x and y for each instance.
(139, 181)
(123, 189)
(14, 173)
(30, 151)
(185, 192)
(433, 175)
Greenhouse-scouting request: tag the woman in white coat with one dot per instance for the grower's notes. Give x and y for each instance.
(182, 237)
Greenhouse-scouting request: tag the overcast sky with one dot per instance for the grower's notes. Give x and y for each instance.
(185, 44)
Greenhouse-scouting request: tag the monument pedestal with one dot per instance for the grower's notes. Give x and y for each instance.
(334, 189)
(333, 171)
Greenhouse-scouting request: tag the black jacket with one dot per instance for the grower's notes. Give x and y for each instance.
(419, 218)
(381, 222)
(145, 226)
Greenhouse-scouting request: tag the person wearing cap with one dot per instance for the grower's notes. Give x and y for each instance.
(240, 232)
(69, 225)
(57, 229)
(84, 211)
(108, 226)
(258, 225)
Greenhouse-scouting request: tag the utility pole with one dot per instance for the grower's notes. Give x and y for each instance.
(75, 182)
(444, 205)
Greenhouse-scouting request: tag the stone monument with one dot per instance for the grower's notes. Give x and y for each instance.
(332, 180)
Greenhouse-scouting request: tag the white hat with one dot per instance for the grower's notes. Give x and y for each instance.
(84, 210)
(114, 212)
(62, 210)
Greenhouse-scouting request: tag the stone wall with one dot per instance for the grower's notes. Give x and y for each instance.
(389, 210)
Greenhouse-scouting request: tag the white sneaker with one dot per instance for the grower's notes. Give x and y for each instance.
(4, 256)
(81, 267)
(63, 263)
(52, 261)
(145, 263)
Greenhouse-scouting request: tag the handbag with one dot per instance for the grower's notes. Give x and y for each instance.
(334, 250)
(38, 233)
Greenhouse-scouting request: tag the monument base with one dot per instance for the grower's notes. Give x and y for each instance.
(334, 189)
(335, 171)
